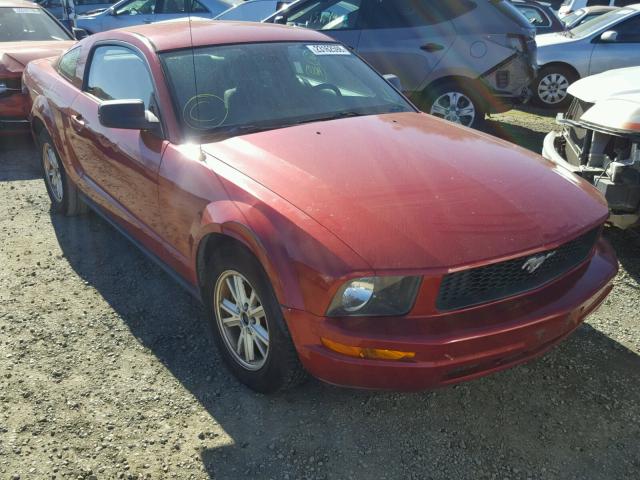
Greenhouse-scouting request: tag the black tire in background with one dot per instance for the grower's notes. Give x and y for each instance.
(550, 86)
(456, 102)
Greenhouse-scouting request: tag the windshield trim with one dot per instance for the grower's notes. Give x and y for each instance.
(185, 137)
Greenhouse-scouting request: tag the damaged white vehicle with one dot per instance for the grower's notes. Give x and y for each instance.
(599, 140)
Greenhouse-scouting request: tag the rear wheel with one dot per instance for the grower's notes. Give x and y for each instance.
(62, 192)
(247, 323)
(551, 86)
(456, 103)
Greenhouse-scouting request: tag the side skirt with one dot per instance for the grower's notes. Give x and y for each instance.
(191, 289)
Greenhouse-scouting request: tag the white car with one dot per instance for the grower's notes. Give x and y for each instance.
(570, 6)
(600, 140)
(609, 41)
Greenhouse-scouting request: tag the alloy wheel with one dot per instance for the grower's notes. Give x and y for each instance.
(52, 173)
(242, 320)
(552, 88)
(455, 107)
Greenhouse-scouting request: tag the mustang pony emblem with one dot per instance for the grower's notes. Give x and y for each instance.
(534, 263)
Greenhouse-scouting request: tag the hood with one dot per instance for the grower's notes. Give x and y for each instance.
(15, 55)
(619, 114)
(608, 84)
(411, 191)
(549, 39)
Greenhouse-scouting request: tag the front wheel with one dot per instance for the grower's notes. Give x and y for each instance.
(456, 104)
(247, 323)
(551, 86)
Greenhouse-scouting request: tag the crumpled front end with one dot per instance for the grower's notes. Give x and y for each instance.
(13, 103)
(601, 143)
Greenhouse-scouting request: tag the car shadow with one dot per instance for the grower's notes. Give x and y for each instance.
(21, 163)
(521, 136)
(626, 243)
(575, 411)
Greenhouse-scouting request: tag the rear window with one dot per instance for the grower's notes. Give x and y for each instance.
(511, 12)
(29, 24)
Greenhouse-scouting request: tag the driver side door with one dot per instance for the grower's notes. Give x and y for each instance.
(120, 166)
(624, 52)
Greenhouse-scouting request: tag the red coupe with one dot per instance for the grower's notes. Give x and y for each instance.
(27, 32)
(328, 226)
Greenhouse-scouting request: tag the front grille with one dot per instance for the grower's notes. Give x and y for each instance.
(576, 136)
(504, 279)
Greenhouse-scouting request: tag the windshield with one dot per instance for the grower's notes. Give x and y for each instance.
(595, 24)
(23, 24)
(252, 87)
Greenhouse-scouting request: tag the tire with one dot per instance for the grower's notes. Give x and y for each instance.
(64, 195)
(279, 368)
(550, 87)
(452, 101)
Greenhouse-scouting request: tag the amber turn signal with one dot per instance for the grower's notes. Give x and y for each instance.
(368, 353)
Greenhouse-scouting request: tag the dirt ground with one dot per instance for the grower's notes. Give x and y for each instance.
(105, 373)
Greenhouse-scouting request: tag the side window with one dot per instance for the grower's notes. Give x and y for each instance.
(180, 6)
(67, 65)
(411, 13)
(137, 7)
(624, 3)
(629, 30)
(592, 3)
(535, 16)
(326, 15)
(117, 73)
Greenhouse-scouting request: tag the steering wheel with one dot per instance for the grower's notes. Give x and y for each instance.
(328, 86)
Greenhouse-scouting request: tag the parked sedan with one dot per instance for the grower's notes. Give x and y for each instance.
(327, 225)
(137, 12)
(27, 32)
(610, 41)
(80, 7)
(583, 15)
(252, 10)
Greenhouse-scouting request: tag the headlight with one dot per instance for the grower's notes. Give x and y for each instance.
(375, 296)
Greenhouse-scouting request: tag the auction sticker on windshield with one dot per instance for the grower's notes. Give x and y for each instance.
(328, 49)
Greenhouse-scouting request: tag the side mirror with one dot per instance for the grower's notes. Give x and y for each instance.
(281, 19)
(127, 114)
(112, 12)
(394, 81)
(610, 36)
(79, 33)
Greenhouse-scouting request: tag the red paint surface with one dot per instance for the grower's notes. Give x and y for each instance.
(322, 203)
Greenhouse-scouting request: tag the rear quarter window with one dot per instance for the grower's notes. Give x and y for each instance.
(68, 66)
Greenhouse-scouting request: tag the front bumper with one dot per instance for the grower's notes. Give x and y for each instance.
(449, 349)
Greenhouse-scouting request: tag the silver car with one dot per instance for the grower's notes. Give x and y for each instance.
(253, 10)
(127, 13)
(609, 41)
(456, 60)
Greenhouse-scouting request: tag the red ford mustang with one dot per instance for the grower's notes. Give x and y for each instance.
(27, 32)
(326, 224)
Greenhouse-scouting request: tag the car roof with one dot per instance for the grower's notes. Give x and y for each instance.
(176, 34)
(18, 4)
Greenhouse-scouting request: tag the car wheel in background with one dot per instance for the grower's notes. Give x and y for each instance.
(456, 103)
(550, 89)
(63, 193)
(247, 323)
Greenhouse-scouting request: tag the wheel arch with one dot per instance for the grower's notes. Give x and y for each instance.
(568, 66)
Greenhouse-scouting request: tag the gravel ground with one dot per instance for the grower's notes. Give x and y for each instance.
(105, 373)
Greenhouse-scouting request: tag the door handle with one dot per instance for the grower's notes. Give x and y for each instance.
(77, 122)
(431, 47)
